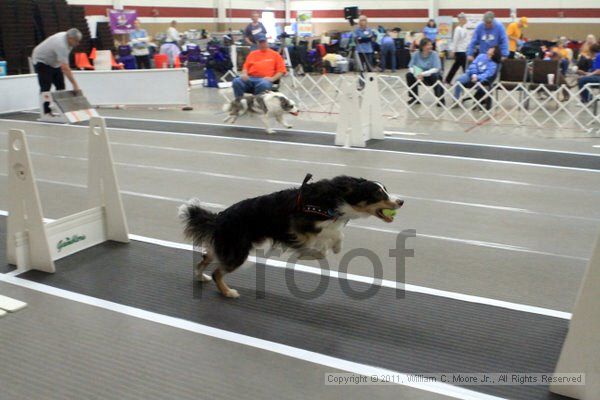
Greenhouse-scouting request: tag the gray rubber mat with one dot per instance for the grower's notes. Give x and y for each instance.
(541, 157)
(417, 333)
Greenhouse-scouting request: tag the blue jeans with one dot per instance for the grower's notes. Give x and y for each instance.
(388, 49)
(564, 66)
(252, 85)
(581, 82)
(465, 79)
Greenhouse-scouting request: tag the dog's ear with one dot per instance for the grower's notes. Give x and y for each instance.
(285, 103)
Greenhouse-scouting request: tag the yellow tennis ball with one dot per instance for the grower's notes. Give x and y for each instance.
(388, 212)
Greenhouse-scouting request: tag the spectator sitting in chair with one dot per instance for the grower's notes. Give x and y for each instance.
(586, 58)
(262, 67)
(482, 70)
(424, 66)
(592, 77)
(565, 53)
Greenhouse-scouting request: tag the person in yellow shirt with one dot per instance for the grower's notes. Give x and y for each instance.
(566, 54)
(514, 31)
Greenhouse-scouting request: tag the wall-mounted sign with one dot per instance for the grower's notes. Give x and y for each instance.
(121, 21)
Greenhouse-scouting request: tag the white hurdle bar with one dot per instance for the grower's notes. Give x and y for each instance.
(581, 350)
(33, 244)
(360, 118)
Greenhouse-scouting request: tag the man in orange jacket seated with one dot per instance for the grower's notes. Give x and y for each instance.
(262, 67)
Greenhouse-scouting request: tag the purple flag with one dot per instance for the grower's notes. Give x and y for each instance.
(121, 21)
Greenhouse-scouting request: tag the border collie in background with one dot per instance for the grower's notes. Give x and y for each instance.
(308, 220)
(267, 105)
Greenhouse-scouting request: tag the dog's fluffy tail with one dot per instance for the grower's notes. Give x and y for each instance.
(199, 223)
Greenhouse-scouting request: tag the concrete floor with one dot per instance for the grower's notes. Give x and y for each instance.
(518, 233)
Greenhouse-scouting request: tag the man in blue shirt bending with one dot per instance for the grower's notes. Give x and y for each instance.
(488, 34)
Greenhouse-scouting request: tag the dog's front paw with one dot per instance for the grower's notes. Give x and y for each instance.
(337, 247)
(271, 131)
(200, 277)
(232, 294)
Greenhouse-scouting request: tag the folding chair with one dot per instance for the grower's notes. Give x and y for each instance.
(539, 76)
(114, 64)
(485, 91)
(82, 62)
(513, 75)
(161, 61)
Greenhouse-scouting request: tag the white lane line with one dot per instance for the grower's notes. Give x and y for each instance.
(355, 149)
(500, 146)
(380, 282)
(169, 121)
(478, 243)
(286, 184)
(360, 278)
(469, 242)
(405, 133)
(333, 133)
(328, 164)
(294, 352)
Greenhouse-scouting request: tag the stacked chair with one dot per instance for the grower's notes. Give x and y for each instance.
(17, 37)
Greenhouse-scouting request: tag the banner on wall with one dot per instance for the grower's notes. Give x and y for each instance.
(121, 21)
(473, 20)
(304, 23)
(444, 24)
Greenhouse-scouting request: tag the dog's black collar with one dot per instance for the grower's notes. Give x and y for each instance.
(329, 214)
(310, 209)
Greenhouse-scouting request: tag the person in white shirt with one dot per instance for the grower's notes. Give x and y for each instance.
(460, 42)
(171, 45)
(51, 60)
(172, 34)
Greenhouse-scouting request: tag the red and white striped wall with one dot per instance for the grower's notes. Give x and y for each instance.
(331, 11)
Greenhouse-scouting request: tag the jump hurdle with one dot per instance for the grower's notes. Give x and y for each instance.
(360, 117)
(69, 107)
(582, 345)
(33, 244)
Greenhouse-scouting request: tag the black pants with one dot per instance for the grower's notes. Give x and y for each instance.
(481, 93)
(431, 80)
(143, 62)
(366, 59)
(48, 76)
(460, 61)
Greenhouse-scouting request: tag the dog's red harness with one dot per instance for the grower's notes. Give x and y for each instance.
(310, 209)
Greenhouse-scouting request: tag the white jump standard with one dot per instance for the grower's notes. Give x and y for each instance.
(352, 129)
(33, 244)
